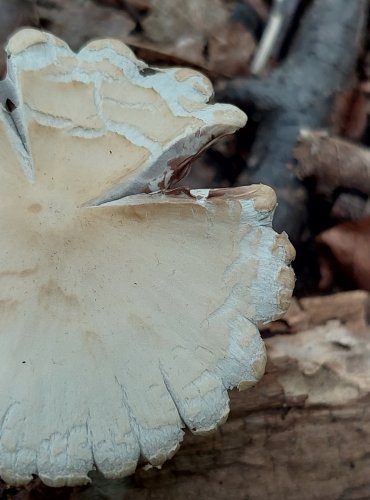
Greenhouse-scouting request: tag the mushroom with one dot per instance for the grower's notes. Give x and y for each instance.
(128, 307)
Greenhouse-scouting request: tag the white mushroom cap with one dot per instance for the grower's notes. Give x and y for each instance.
(124, 316)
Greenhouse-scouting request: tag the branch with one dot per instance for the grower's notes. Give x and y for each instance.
(302, 90)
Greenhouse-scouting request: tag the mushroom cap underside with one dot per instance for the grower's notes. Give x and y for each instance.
(127, 308)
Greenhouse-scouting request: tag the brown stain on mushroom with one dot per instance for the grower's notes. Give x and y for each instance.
(180, 167)
(35, 208)
(140, 323)
(24, 273)
(91, 341)
(144, 326)
(7, 305)
(53, 297)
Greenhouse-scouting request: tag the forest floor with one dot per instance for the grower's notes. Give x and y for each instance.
(301, 71)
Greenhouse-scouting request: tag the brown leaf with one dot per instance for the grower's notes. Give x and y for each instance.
(78, 22)
(260, 7)
(171, 20)
(355, 122)
(230, 50)
(349, 247)
(197, 33)
(186, 52)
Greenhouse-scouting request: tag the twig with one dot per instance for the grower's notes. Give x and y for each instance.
(274, 33)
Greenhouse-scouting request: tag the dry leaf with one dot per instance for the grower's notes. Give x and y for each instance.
(260, 7)
(356, 120)
(349, 246)
(350, 206)
(79, 21)
(170, 20)
(186, 52)
(230, 50)
(199, 33)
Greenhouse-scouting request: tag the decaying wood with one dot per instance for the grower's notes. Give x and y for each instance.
(350, 308)
(300, 94)
(302, 432)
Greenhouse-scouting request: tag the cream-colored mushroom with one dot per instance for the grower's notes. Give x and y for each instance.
(127, 309)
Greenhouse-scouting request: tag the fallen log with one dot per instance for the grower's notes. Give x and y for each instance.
(302, 432)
